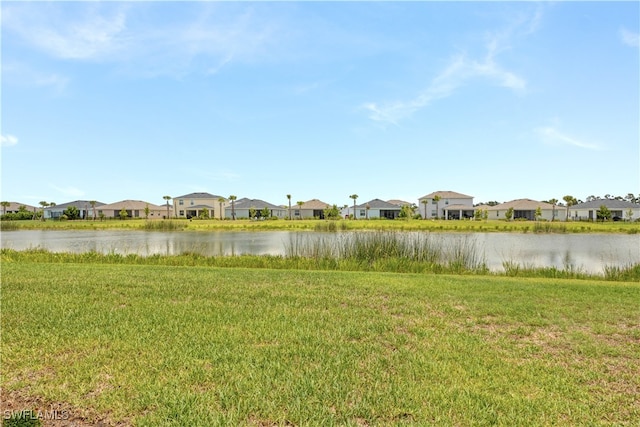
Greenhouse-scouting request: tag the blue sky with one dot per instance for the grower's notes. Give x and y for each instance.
(501, 100)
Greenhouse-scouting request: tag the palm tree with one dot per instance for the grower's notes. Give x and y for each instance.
(221, 200)
(425, 202)
(570, 200)
(554, 202)
(167, 198)
(44, 204)
(233, 206)
(354, 197)
(437, 199)
(367, 207)
(93, 207)
(5, 205)
(289, 198)
(300, 203)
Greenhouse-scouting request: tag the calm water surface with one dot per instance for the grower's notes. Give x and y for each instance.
(589, 252)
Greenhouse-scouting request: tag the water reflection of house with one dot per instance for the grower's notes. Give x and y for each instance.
(619, 209)
(193, 204)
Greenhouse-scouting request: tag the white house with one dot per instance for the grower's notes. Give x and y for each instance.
(192, 204)
(450, 205)
(243, 209)
(620, 210)
(84, 207)
(310, 209)
(526, 209)
(377, 208)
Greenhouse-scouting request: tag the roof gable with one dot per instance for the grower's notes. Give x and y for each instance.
(199, 196)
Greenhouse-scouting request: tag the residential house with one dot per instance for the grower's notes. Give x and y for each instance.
(133, 209)
(620, 210)
(526, 209)
(191, 205)
(243, 209)
(14, 207)
(377, 208)
(450, 205)
(84, 207)
(313, 208)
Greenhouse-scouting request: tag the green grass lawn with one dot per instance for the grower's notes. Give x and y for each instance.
(156, 345)
(468, 226)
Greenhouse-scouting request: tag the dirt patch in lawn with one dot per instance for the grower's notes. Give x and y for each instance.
(52, 414)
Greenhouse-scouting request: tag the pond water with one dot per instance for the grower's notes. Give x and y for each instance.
(588, 252)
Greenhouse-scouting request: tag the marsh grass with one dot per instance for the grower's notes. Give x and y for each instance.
(390, 251)
(165, 225)
(196, 345)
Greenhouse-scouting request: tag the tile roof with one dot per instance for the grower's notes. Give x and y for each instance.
(446, 195)
(523, 204)
(378, 204)
(199, 196)
(609, 203)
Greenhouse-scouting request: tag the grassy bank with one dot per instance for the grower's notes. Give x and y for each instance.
(490, 226)
(175, 345)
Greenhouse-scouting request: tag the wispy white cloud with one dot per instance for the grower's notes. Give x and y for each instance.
(462, 69)
(551, 135)
(629, 37)
(204, 37)
(8, 140)
(68, 191)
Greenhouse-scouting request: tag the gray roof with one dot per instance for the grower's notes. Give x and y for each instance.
(446, 195)
(80, 204)
(609, 203)
(378, 204)
(245, 203)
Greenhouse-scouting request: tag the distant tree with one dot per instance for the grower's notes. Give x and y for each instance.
(253, 212)
(539, 212)
(629, 214)
(72, 212)
(509, 214)
(221, 200)
(332, 213)
(425, 202)
(554, 202)
(5, 205)
(44, 204)
(570, 201)
(167, 198)
(477, 214)
(146, 211)
(591, 198)
(603, 213)
(406, 212)
(233, 206)
(101, 216)
(485, 214)
(123, 214)
(437, 199)
(93, 208)
(300, 203)
(367, 207)
(354, 197)
(204, 213)
(265, 212)
(289, 198)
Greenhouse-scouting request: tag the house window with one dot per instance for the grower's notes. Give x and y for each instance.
(181, 203)
(181, 213)
(191, 202)
(434, 213)
(296, 213)
(446, 202)
(433, 202)
(361, 212)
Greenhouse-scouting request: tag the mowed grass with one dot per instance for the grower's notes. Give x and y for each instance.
(465, 226)
(155, 345)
